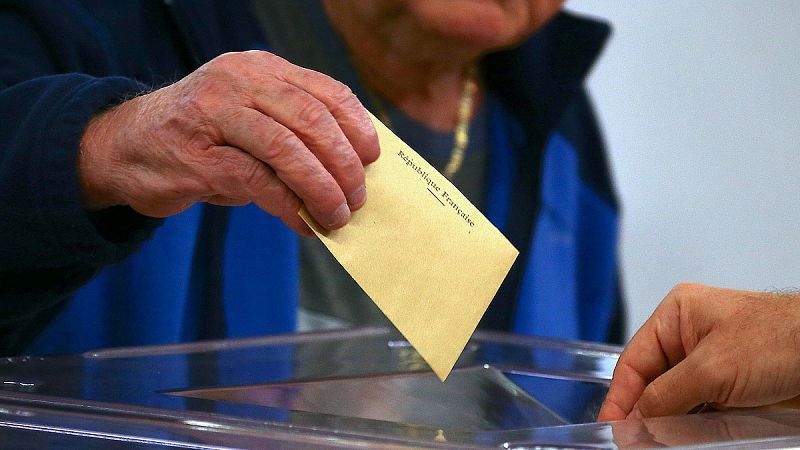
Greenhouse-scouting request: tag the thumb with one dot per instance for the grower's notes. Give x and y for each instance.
(690, 383)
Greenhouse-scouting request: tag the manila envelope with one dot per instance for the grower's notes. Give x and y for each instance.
(422, 252)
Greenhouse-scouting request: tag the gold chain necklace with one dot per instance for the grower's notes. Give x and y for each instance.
(461, 132)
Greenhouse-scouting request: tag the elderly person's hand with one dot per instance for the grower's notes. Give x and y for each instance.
(709, 345)
(245, 127)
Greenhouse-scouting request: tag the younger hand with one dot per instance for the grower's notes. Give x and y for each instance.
(704, 344)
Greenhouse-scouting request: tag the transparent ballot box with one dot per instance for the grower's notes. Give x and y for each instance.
(361, 388)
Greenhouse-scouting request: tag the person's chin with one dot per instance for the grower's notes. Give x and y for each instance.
(483, 37)
(473, 23)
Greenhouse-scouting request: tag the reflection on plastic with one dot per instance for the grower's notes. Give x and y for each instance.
(471, 400)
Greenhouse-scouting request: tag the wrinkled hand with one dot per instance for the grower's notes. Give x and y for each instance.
(245, 127)
(703, 344)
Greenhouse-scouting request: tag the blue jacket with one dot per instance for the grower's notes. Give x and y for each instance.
(72, 281)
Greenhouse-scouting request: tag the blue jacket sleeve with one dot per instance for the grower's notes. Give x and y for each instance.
(49, 244)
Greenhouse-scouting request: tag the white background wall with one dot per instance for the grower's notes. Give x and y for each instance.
(700, 103)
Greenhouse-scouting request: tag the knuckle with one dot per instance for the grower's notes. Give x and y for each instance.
(686, 287)
(285, 91)
(254, 177)
(652, 400)
(341, 97)
(226, 62)
(281, 145)
(221, 78)
(263, 56)
(313, 114)
(332, 89)
(352, 169)
(222, 60)
(220, 66)
(685, 292)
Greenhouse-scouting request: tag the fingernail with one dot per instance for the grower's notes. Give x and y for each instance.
(340, 217)
(635, 414)
(358, 197)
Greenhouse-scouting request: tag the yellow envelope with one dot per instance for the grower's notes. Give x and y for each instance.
(422, 252)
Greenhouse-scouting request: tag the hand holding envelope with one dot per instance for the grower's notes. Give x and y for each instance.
(422, 252)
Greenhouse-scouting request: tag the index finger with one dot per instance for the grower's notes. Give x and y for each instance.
(345, 107)
(654, 348)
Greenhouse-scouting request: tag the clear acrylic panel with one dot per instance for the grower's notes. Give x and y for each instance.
(342, 389)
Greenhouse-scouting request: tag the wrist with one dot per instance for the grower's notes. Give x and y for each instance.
(95, 168)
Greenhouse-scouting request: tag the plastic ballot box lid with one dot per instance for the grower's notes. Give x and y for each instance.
(359, 388)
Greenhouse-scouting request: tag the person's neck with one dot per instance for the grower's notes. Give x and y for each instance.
(425, 82)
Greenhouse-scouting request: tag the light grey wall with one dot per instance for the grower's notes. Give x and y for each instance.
(700, 103)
